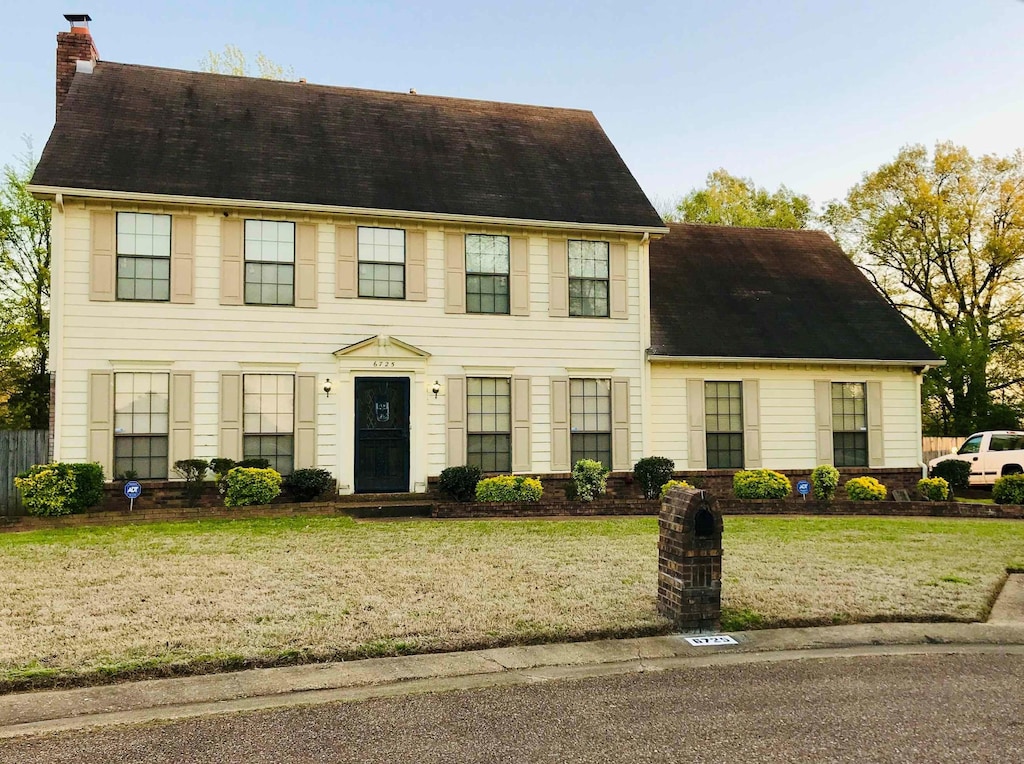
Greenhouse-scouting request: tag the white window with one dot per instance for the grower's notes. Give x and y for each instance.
(723, 424)
(489, 431)
(590, 420)
(588, 278)
(850, 424)
(143, 256)
(269, 262)
(141, 405)
(268, 419)
(382, 262)
(487, 263)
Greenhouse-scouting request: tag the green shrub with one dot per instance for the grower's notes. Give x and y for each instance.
(46, 489)
(825, 479)
(247, 486)
(957, 472)
(88, 485)
(194, 472)
(459, 483)
(933, 489)
(257, 462)
(309, 483)
(1009, 489)
(672, 484)
(761, 484)
(589, 479)
(865, 489)
(221, 466)
(509, 488)
(652, 472)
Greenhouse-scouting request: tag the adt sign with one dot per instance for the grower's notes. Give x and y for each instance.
(803, 487)
(132, 491)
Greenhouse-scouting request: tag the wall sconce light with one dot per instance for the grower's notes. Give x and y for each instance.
(435, 388)
(328, 387)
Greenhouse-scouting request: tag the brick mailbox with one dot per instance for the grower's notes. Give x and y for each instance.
(690, 561)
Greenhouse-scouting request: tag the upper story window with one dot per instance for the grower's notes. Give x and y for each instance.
(588, 278)
(268, 419)
(849, 424)
(590, 420)
(723, 424)
(143, 256)
(382, 262)
(487, 264)
(269, 262)
(141, 406)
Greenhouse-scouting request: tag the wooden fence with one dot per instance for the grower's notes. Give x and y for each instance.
(19, 450)
(933, 446)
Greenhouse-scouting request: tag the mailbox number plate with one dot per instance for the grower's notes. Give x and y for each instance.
(718, 639)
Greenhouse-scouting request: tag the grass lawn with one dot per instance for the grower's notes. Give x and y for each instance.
(87, 604)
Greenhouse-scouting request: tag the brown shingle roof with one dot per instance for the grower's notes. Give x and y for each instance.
(720, 291)
(143, 129)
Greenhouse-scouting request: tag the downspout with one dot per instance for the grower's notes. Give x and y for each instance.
(920, 434)
(645, 342)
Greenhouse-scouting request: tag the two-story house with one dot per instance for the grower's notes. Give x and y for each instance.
(386, 284)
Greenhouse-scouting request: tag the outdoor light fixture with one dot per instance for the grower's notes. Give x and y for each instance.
(328, 387)
(435, 388)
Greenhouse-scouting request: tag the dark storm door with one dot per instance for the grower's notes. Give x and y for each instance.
(382, 434)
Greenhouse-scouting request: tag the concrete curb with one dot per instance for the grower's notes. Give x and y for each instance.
(156, 699)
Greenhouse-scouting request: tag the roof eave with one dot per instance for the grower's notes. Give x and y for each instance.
(908, 363)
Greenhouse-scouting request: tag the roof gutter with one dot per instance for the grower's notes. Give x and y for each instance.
(921, 364)
(51, 192)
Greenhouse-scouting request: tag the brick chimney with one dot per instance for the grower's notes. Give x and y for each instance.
(73, 47)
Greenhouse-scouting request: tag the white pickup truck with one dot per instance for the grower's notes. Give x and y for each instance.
(990, 454)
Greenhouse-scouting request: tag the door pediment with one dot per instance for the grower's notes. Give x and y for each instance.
(382, 346)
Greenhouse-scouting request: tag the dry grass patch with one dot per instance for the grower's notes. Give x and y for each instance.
(84, 603)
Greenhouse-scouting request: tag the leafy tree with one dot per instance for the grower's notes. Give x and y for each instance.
(942, 237)
(234, 61)
(24, 300)
(730, 200)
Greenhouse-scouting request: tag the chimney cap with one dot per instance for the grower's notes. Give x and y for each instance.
(77, 18)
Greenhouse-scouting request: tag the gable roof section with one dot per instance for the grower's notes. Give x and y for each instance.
(142, 129)
(725, 292)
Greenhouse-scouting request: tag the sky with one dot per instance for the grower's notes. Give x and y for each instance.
(807, 93)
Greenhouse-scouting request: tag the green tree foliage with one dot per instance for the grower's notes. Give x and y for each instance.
(730, 200)
(24, 300)
(941, 235)
(233, 61)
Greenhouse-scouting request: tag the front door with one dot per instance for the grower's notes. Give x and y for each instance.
(382, 434)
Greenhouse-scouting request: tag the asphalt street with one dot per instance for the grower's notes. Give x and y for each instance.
(923, 708)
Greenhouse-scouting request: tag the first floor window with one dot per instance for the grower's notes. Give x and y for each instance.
(489, 432)
(723, 424)
(590, 420)
(141, 405)
(487, 264)
(143, 256)
(588, 278)
(849, 424)
(382, 262)
(269, 262)
(268, 414)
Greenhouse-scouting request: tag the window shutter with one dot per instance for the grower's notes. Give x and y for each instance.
(697, 446)
(101, 420)
(232, 262)
(823, 420)
(621, 455)
(561, 442)
(519, 276)
(416, 266)
(618, 267)
(521, 436)
(876, 432)
(346, 281)
(181, 417)
(305, 265)
(305, 421)
(454, 273)
(455, 421)
(183, 261)
(103, 256)
(558, 277)
(230, 446)
(751, 423)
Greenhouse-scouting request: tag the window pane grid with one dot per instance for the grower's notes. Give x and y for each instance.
(849, 424)
(381, 262)
(588, 278)
(269, 262)
(723, 424)
(143, 256)
(489, 423)
(590, 420)
(268, 412)
(141, 405)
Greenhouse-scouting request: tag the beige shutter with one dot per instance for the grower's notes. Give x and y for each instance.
(346, 258)
(519, 276)
(101, 420)
(305, 421)
(618, 267)
(697, 445)
(558, 277)
(305, 265)
(876, 431)
(751, 423)
(561, 441)
(416, 266)
(183, 260)
(103, 256)
(521, 436)
(823, 420)
(455, 421)
(232, 262)
(454, 273)
(622, 460)
(180, 431)
(230, 446)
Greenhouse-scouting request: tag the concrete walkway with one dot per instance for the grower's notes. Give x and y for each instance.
(48, 711)
(1009, 606)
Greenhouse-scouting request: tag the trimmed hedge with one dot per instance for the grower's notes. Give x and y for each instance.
(509, 488)
(652, 472)
(933, 489)
(761, 484)
(825, 479)
(589, 479)
(308, 483)
(459, 482)
(956, 472)
(672, 484)
(865, 489)
(60, 488)
(1009, 489)
(248, 486)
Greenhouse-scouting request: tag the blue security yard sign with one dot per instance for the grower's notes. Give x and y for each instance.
(132, 491)
(803, 487)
